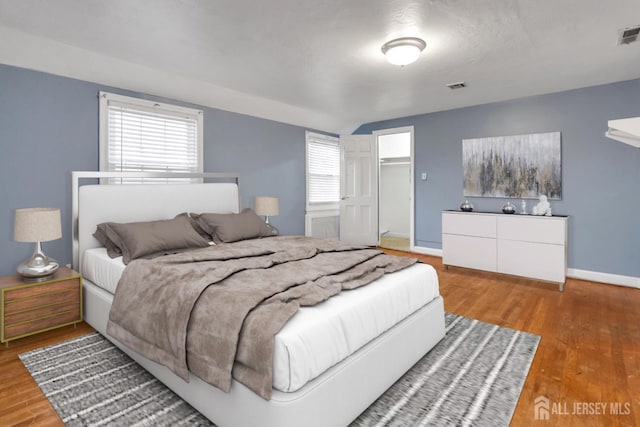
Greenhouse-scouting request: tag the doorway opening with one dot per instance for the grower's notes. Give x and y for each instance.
(395, 187)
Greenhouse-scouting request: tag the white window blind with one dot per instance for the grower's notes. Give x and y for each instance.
(323, 169)
(144, 136)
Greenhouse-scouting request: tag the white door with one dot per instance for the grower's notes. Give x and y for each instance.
(359, 189)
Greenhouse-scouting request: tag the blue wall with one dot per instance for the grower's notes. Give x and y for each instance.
(49, 127)
(600, 177)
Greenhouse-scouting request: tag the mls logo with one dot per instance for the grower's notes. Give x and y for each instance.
(541, 408)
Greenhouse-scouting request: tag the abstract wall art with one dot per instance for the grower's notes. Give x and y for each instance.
(516, 166)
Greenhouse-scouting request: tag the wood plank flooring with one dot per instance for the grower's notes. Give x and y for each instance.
(394, 243)
(589, 352)
(590, 347)
(21, 401)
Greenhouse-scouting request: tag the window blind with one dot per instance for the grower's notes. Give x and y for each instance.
(323, 169)
(143, 136)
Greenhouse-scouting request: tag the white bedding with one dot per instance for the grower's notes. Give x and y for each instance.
(318, 337)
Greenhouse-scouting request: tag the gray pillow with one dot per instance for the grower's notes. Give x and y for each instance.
(193, 220)
(226, 228)
(154, 238)
(101, 235)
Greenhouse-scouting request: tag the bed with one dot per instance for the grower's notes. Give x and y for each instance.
(337, 391)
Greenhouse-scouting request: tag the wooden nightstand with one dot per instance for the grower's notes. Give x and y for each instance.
(29, 308)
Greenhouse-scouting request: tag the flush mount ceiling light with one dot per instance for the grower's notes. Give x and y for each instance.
(403, 51)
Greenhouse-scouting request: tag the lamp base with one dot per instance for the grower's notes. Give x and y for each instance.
(38, 267)
(273, 228)
(31, 275)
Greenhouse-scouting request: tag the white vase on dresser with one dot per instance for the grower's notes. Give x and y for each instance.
(520, 245)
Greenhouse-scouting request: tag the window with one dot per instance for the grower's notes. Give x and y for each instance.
(137, 135)
(323, 171)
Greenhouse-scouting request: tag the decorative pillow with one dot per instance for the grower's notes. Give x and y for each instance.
(226, 228)
(154, 238)
(101, 235)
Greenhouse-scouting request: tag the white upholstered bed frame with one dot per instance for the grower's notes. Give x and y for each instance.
(335, 398)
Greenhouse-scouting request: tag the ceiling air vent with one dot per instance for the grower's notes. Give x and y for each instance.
(629, 35)
(458, 85)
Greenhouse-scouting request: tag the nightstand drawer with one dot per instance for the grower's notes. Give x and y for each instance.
(64, 296)
(53, 321)
(42, 312)
(37, 290)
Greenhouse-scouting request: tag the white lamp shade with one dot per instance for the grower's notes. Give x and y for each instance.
(264, 205)
(37, 225)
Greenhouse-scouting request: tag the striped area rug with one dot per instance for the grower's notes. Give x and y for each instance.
(472, 377)
(91, 382)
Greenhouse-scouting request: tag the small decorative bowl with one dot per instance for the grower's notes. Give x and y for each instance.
(509, 208)
(467, 206)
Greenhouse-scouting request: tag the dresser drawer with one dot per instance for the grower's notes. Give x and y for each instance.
(469, 224)
(469, 251)
(538, 229)
(540, 261)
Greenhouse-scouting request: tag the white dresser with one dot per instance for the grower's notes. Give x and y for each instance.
(522, 245)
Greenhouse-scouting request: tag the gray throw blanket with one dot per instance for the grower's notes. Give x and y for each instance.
(215, 311)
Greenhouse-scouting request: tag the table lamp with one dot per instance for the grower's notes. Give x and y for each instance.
(267, 206)
(37, 225)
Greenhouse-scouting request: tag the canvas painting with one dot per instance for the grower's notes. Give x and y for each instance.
(517, 166)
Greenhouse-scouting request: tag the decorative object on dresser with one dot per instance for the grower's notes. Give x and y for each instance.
(32, 307)
(509, 208)
(528, 246)
(466, 206)
(267, 206)
(516, 166)
(37, 225)
(543, 207)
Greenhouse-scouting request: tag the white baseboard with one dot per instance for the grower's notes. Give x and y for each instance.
(574, 273)
(612, 279)
(426, 251)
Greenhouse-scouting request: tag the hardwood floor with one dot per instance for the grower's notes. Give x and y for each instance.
(589, 352)
(21, 401)
(394, 243)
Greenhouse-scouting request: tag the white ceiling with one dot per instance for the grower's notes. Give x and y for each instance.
(318, 63)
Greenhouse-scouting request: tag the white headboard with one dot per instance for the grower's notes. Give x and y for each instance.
(94, 204)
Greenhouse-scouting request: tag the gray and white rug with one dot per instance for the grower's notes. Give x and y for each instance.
(474, 376)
